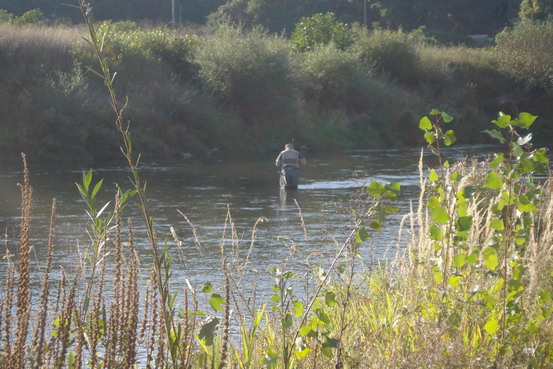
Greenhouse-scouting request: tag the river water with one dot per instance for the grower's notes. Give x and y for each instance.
(268, 227)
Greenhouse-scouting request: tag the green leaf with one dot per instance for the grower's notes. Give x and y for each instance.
(376, 225)
(459, 260)
(330, 299)
(433, 176)
(472, 259)
(435, 233)
(207, 287)
(303, 353)
(491, 260)
(216, 301)
(493, 181)
(454, 281)
(376, 189)
(361, 235)
(494, 133)
(446, 117)
(491, 326)
(287, 321)
(323, 317)
(499, 158)
(207, 332)
(464, 223)
(449, 138)
(270, 360)
(503, 120)
(425, 124)
(524, 205)
(430, 137)
(497, 224)
(297, 306)
(525, 120)
(439, 214)
(305, 330)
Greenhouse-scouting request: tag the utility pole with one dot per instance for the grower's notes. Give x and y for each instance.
(173, 12)
(365, 12)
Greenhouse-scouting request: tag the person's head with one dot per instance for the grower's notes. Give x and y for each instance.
(289, 146)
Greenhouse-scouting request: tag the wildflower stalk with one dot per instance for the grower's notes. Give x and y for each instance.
(160, 261)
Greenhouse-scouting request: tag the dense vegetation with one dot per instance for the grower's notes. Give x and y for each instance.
(247, 90)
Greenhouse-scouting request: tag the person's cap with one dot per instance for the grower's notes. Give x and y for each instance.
(289, 146)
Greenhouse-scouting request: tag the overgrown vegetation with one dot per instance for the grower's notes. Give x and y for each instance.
(224, 89)
(470, 288)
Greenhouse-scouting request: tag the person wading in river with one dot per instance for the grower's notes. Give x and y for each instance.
(289, 161)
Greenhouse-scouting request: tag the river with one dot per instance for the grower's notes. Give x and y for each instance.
(294, 228)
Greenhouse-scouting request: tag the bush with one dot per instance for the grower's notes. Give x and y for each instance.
(392, 52)
(249, 70)
(321, 29)
(35, 16)
(5, 16)
(334, 77)
(524, 52)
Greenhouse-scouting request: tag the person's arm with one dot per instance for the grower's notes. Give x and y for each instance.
(278, 161)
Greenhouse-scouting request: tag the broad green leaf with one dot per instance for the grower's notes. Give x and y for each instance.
(207, 332)
(330, 299)
(439, 215)
(361, 235)
(468, 192)
(216, 301)
(270, 360)
(433, 176)
(491, 326)
(541, 156)
(524, 205)
(425, 124)
(207, 287)
(287, 321)
(502, 121)
(376, 189)
(394, 187)
(493, 181)
(459, 260)
(438, 277)
(494, 133)
(297, 306)
(430, 137)
(499, 158)
(463, 223)
(303, 353)
(376, 225)
(435, 233)
(305, 330)
(446, 117)
(449, 138)
(525, 120)
(497, 224)
(526, 165)
(491, 260)
(323, 317)
(454, 281)
(472, 259)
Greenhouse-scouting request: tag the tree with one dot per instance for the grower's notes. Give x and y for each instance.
(321, 29)
(536, 9)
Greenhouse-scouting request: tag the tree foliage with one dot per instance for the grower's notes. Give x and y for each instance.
(321, 29)
(536, 9)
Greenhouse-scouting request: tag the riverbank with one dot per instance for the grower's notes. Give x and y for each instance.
(248, 92)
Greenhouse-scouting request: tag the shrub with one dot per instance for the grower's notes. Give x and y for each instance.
(333, 76)
(321, 29)
(5, 16)
(35, 16)
(249, 70)
(392, 52)
(524, 52)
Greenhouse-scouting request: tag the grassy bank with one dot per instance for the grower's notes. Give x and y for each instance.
(247, 91)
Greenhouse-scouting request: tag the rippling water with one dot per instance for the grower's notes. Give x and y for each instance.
(315, 219)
